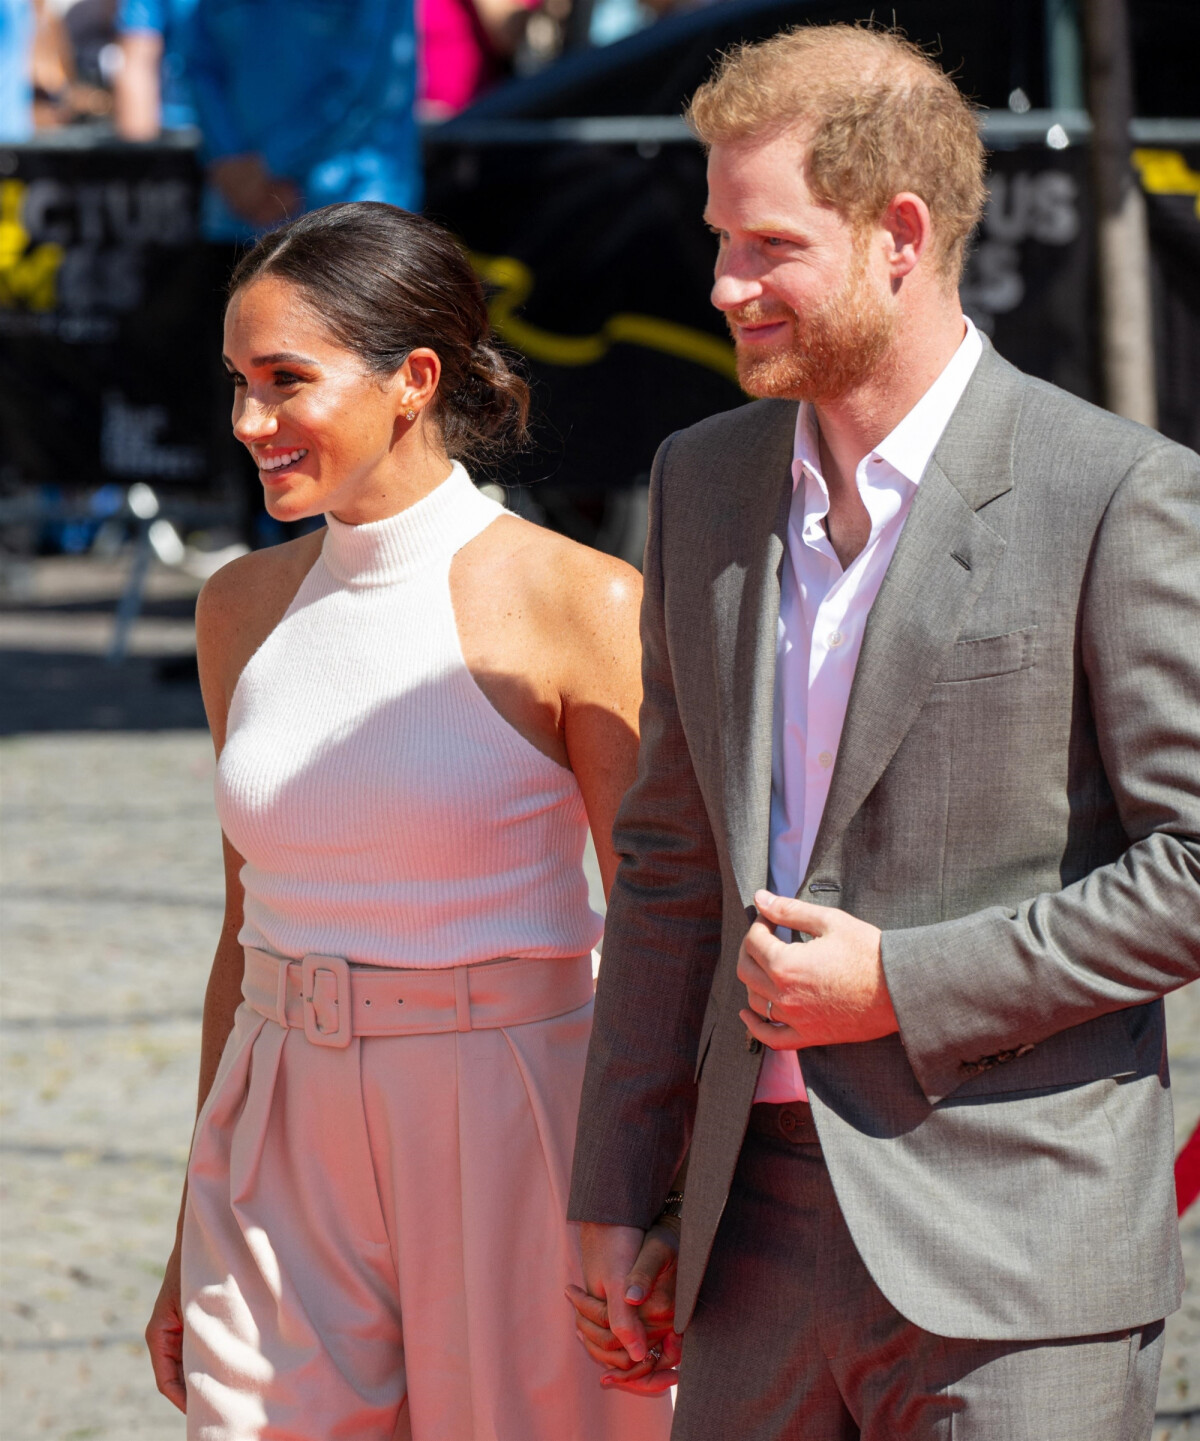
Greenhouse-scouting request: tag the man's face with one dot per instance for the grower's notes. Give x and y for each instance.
(805, 294)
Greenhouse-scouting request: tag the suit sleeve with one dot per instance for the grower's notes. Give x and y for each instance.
(985, 986)
(661, 944)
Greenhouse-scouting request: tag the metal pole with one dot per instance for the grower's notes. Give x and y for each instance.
(1064, 56)
(1122, 243)
(129, 607)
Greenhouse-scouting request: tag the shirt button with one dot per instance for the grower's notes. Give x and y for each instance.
(825, 760)
(836, 638)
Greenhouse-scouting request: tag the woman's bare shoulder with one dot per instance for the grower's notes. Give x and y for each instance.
(570, 579)
(242, 604)
(580, 606)
(245, 588)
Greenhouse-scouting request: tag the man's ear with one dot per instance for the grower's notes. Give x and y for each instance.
(908, 222)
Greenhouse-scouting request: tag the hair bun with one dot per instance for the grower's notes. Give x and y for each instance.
(490, 407)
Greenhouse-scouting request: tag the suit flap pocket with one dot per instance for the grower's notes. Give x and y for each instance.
(989, 655)
(1090, 1052)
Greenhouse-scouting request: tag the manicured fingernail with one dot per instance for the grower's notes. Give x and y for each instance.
(635, 1295)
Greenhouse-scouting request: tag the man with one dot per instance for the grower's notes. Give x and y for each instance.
(917, 811)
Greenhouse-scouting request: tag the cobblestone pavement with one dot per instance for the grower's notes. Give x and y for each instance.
(111, 900)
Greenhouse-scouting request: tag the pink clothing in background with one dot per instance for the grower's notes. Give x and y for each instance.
(457, 62)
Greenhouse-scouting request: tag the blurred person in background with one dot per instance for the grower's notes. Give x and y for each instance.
(613, 20)
(151, 92)
(70, 61)
(301, 104)
(91, 28)
(16, 70)
(466, 46)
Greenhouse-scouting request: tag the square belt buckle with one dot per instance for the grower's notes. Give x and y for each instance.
(310, 968)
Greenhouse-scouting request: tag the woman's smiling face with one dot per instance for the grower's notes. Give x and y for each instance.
(321, 426)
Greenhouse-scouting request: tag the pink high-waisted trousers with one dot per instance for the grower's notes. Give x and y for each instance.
(374, 1242)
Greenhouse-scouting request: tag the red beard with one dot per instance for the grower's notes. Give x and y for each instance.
(831, 351)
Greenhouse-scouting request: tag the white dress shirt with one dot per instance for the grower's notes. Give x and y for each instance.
(823, 612)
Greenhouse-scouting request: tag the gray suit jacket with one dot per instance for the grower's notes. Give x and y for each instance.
(1016, 803)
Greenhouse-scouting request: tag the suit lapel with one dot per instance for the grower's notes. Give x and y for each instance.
(944, 558)
(751, 531)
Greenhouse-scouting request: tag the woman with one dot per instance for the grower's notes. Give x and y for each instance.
(417, 712)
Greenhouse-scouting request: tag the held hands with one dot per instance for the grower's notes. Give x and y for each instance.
(624, 1317)
(824, 992)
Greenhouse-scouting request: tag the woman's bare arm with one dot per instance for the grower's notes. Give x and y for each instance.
(236, 611)
(602, 692)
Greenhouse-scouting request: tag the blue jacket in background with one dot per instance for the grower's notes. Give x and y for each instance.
(322, 89)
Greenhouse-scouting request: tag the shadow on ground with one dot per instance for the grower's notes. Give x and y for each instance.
(57, 621)
(42, 692)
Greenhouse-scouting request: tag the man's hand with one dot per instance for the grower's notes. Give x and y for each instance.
(823, 992)
(252, 192)
(624, 1317)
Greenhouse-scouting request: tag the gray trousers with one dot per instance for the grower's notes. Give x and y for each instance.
(793, 1341)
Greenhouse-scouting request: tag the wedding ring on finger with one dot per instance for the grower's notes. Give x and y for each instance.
(654, 1355)
(770, 1021)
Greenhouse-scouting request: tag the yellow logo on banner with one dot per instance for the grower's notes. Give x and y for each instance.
(27, 277)
(513, 281)
(1166, 172)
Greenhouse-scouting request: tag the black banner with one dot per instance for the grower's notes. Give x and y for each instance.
(599, 270)
(103, 298)
(1171, 180)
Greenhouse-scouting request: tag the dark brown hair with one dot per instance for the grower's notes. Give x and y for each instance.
(385, 281)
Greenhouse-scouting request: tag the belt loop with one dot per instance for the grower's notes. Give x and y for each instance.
(282, 973)
(462, 999)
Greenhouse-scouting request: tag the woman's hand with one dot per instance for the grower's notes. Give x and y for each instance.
(164, 1336)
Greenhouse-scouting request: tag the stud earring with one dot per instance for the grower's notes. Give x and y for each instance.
(410, 415)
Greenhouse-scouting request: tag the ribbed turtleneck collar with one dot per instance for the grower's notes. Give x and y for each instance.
(386, 551)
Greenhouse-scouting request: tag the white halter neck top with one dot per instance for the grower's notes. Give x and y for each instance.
(386, 811)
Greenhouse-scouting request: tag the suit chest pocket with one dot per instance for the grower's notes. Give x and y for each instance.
(989, 655)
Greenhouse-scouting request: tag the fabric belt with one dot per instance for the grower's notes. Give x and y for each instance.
(792, 1121)
(333, 1001)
